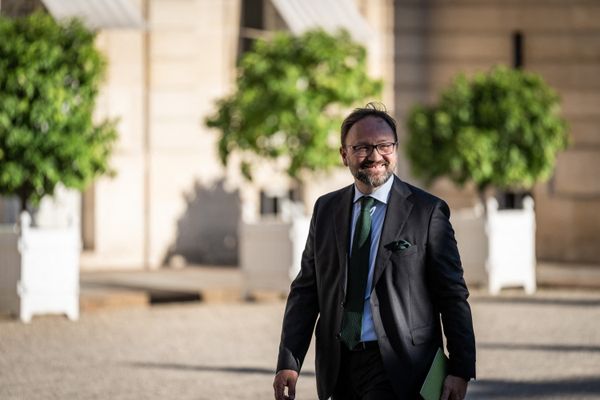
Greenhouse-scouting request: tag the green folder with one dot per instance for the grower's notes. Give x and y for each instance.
(434, 382)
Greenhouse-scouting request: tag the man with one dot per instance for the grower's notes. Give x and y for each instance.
(379, 269)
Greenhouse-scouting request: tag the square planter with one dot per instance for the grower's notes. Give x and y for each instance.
(498, 249)
(39, 270)
(271, 252)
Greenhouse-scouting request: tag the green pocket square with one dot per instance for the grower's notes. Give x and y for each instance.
(398, 245)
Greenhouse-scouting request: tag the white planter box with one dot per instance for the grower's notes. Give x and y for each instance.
(39, 270)
(500, 251)
(271, 252)
(469, 228)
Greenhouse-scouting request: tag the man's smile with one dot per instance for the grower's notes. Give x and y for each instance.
(374, 166)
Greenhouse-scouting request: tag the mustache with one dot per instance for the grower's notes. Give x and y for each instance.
(367, 164)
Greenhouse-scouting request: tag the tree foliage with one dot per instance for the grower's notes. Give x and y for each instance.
(49, 77)
(501, 129)
(290, 92)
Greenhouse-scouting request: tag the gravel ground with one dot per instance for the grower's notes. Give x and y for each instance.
(541, 347)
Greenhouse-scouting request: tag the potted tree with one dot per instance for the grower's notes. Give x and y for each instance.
(500, 129)
(286, 112)
(49, 77)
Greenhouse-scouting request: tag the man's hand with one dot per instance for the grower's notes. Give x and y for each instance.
(285, 377)
(455, 388)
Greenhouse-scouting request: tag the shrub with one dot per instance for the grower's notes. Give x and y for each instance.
(49, 78)
(500, 129)
(290, 93)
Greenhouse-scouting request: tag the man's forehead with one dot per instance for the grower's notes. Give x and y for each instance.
(372, 125)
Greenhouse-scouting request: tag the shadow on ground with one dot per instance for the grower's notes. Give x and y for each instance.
(538, 347)
(209, 368)
(545, 301)
(563, 388)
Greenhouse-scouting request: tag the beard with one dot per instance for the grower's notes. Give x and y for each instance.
(373, 179)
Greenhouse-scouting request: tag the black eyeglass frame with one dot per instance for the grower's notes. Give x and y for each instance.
(370, 147)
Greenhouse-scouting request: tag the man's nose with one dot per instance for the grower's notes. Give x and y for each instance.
(374, 155)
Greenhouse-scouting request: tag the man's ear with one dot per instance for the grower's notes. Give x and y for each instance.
(344, 154)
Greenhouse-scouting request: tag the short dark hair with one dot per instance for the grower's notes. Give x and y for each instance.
(374, 109)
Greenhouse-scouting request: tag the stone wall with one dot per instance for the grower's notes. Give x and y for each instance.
(162, 83)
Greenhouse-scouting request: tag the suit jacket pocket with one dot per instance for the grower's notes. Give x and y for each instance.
(406, 252)
(422, 334)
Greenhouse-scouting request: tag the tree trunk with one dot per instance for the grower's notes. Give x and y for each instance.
(482, 199)
(24, 194)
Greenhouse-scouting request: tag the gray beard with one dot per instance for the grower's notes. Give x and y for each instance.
(374, 181)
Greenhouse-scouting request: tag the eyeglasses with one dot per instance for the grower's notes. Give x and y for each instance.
(363, 150)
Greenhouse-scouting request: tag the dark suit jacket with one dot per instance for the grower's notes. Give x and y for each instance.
(412, 288)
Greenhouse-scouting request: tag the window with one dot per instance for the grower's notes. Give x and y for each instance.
(252, 24)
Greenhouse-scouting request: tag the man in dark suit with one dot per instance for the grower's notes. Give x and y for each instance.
(379, 268)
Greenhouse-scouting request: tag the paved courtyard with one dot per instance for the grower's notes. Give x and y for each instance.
(541, 347)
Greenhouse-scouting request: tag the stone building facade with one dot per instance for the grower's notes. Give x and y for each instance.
(172, 201)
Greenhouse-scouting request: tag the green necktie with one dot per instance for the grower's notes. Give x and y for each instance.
(358, 272)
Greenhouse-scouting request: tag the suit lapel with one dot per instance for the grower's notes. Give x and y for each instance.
(398, 209)
(341, 222)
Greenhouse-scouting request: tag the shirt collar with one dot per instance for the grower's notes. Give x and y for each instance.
(380, 194)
